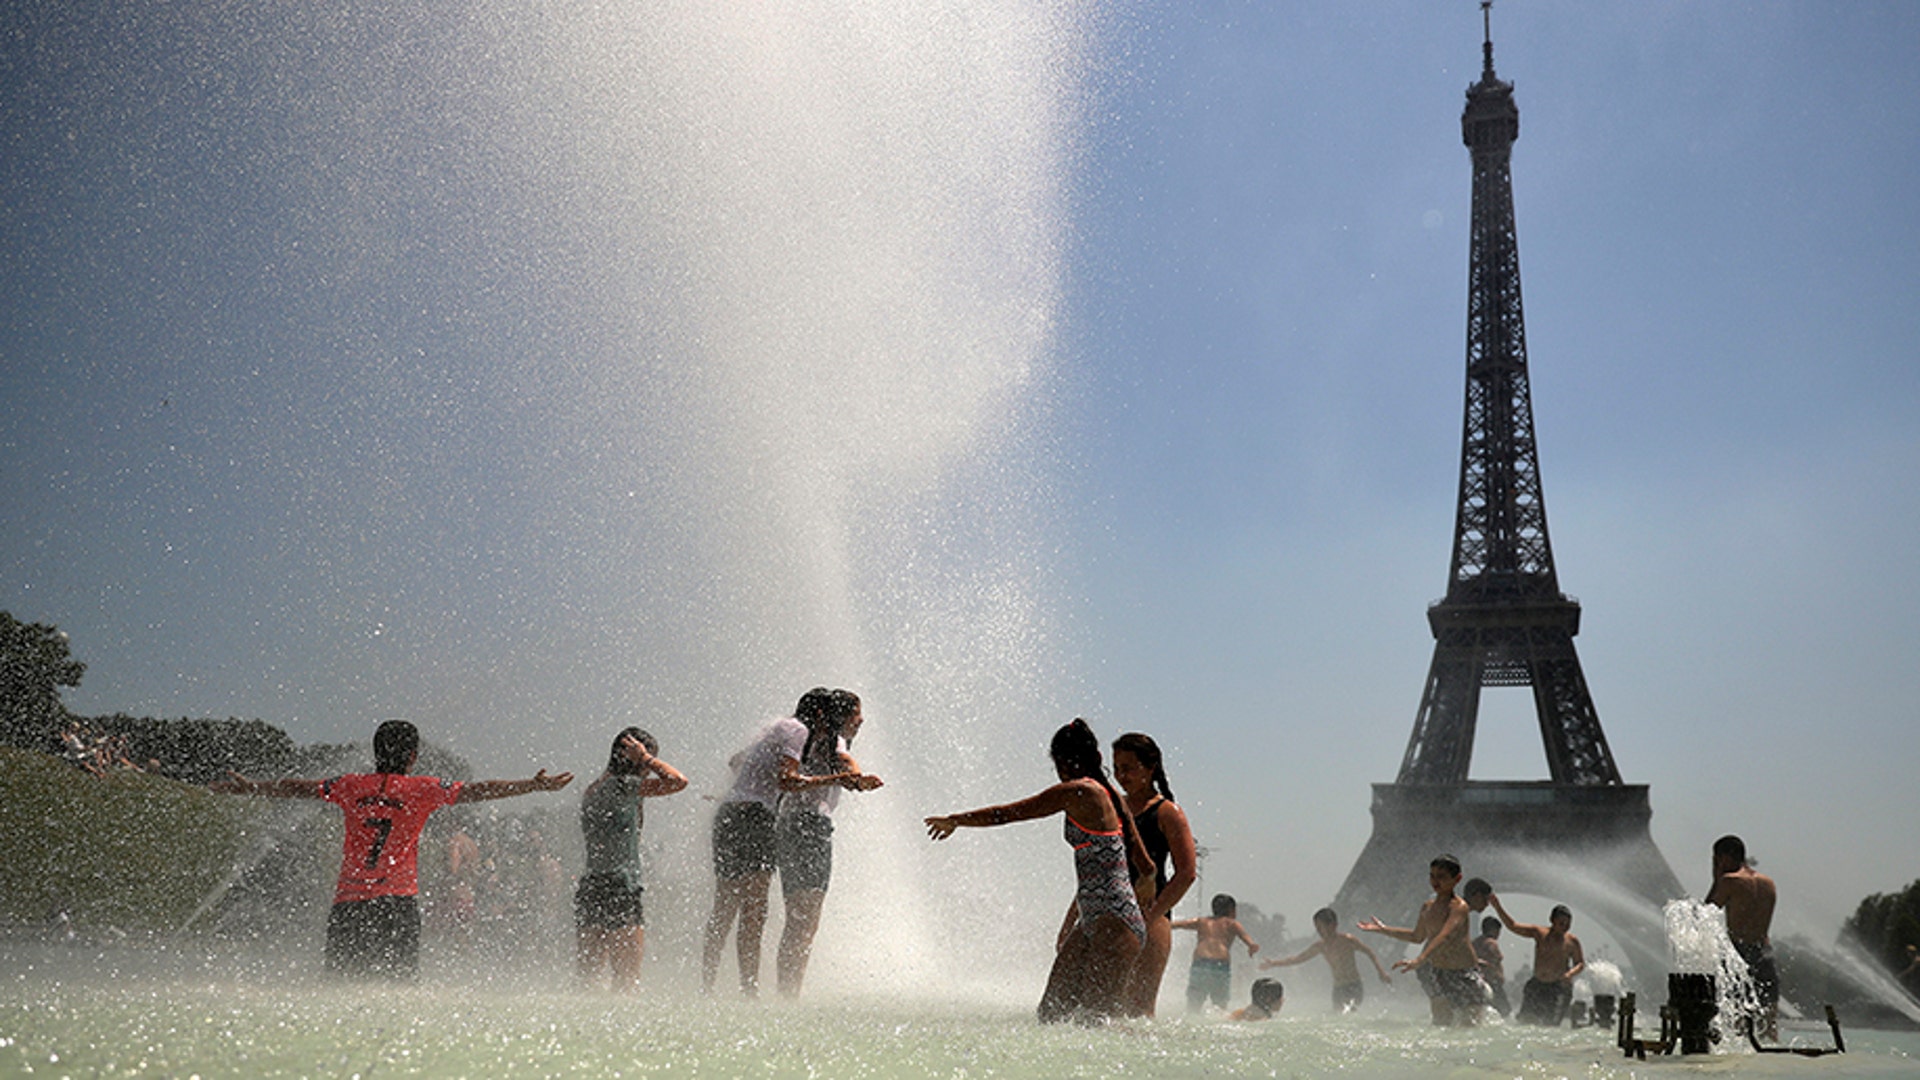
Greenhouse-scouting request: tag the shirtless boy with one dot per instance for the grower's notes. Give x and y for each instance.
(1557, 960)
(1211, 977)
(1448, 970)
(1338, 950)
(1748, 897)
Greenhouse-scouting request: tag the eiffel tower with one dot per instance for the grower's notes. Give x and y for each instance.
(1580, 837)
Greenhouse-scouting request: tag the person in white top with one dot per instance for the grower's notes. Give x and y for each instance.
(815, 767)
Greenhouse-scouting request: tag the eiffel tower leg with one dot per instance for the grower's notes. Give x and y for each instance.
(1577, 750)
(1441, 749)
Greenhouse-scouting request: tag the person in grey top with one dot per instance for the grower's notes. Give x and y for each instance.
(609, 920)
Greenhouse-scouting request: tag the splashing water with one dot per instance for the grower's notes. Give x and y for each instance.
(1698, 943)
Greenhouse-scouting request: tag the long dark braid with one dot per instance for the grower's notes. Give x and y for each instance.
(823, 727)
(1076, 749)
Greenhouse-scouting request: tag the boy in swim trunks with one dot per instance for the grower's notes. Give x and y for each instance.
(374, 926)
(1211, 977)
(1557, 960)
(1448, 970)
(1338, 949)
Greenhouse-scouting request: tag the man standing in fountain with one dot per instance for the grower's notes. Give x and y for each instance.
(1748, 897)
(374, 926)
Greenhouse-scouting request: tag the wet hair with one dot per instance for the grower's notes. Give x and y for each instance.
(1268, 994)
(1446, 862)
(1732, 847)
(1147, 752)
(394, 744)
(1326, 915)
(1475, 886)
(825, 712)
(1075, 751)
(844, 704)
(1559, 910)
(1490, 926)
(816, 710)
(617, 762)
(1224, 906)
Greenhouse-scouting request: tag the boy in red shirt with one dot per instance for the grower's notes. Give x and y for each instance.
(374, 926)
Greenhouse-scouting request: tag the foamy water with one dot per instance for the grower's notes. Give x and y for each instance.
(163, 1012)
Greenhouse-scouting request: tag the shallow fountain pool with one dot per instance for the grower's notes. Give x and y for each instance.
(162, 1013)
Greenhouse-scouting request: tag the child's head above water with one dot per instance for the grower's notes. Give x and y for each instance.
(1268, 995)
(1224, 906)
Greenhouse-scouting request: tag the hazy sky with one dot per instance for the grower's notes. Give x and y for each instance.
(318, 330)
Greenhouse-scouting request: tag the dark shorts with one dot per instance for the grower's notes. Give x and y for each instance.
(607, 902)
(1209, 980)
(1766, 976)
(804, 846)
(742, 840)
(1544, 1002)
(1348, 997)
(377, 937)
(1463, 988)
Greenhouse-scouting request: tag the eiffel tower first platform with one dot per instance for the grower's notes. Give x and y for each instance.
(1582, 836)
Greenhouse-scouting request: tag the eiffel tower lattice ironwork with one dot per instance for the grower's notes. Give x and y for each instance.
(1581, 836)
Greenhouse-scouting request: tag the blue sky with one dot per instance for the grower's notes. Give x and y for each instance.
(449, 365)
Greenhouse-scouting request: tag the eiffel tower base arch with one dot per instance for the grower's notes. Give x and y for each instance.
(1587, 846)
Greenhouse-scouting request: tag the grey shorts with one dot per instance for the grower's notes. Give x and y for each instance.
(1463, 988)
(803, 846)
(742, 841)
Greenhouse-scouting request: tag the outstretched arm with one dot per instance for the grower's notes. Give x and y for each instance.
(1301, 957)
(1399, 933)
(483, 790)
(1525, 930)
(1046, 804)
(1253, 947)
(1363, 947)
(289, 788)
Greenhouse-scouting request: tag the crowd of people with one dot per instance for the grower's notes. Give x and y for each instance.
(1134, 858)
(94, 753)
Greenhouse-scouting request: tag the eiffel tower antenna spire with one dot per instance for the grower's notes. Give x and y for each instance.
(1486, 45)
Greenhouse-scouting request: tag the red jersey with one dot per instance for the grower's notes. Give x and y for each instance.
(385, 813)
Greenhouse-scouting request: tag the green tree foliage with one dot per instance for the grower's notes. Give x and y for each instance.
(1886, 925)
(201, 751)
(34, 665)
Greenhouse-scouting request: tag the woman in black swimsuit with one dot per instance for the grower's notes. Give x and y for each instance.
(1163, 828)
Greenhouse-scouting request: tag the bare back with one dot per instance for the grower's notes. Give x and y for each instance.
(1748, 897)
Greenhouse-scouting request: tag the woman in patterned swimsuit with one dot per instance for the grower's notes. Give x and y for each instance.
(1103, 929)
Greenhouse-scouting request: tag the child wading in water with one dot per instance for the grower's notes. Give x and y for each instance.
(1211, 976)
(1448, 969)
(1268, 996)
(1338, 950)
